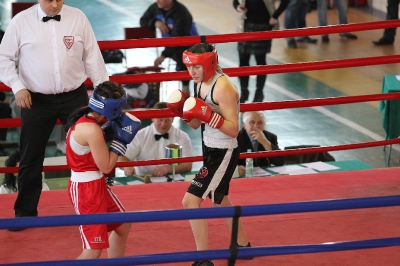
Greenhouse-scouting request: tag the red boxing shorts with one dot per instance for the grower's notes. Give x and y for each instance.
(94, 197)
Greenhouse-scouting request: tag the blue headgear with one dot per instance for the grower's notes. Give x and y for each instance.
(108, 107)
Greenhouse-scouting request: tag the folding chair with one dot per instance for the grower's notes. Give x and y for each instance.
(141, 33)
(309, 157)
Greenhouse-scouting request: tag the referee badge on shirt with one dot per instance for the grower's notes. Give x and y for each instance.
(69, 41)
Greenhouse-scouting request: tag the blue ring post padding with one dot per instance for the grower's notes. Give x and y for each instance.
(234, 236)
(223, 253)
(221, 212)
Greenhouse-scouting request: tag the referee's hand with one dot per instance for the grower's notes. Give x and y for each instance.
(23, 99)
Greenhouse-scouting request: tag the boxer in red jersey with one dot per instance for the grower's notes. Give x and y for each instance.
(89, 159)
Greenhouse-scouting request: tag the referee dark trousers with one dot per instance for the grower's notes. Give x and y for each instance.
(392, 13)
(37, 125)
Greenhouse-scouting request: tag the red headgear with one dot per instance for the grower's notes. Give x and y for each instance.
(208, 60)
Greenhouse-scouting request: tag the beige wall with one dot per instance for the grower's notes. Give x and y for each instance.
(380, 5)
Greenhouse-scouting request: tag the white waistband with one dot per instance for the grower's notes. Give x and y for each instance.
(85, 176)
(226, 143)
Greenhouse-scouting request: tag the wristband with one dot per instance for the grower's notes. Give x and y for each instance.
(216, 120)
(118, 147)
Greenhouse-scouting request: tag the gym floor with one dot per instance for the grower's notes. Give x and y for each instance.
(330, 125)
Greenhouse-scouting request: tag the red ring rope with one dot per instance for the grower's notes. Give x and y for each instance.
(244, 71)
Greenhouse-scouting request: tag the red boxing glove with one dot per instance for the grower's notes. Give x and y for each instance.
(176, 100)
(197, 108)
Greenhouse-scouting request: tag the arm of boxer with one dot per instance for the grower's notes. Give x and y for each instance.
(197, 108)
(108, 130)
(195, 123)
(90, 134)
(125, 128)
(176, 100)
(227, 97)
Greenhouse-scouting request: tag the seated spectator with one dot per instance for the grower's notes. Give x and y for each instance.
(140, 95)
(10, 184)
(173, 19)
(5, 112)
(150, 143)
(253, 136)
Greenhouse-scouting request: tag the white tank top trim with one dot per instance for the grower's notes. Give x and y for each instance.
(76, 147)
(211, 142)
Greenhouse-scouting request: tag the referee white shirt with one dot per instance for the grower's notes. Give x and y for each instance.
(145, 147)
(54, 56)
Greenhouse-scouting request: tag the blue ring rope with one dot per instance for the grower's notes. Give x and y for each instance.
(223, 253)
(201, 213)
(325, 205)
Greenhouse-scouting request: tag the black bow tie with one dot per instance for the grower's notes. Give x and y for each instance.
(57, 17)
(159, 136)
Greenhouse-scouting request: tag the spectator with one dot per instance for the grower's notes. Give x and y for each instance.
(341, 5)
(5, 112)
(253, 136)
(10, 184)
(295, 18)
(173, 19)
(256, 15)
(150, 143)
(391, 13)
(214, 108)
(49, 85)
(90, 159)
(140, 95)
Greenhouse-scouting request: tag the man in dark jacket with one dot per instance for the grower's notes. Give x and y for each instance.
(253, 136)
(173, 20)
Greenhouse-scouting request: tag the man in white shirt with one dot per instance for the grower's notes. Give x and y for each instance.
(149, 144)
(57, 51)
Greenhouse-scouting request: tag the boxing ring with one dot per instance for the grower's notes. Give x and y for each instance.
(385, 200)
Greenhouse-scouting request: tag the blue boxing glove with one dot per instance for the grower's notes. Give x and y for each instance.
(125, 128)
(108, 130)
